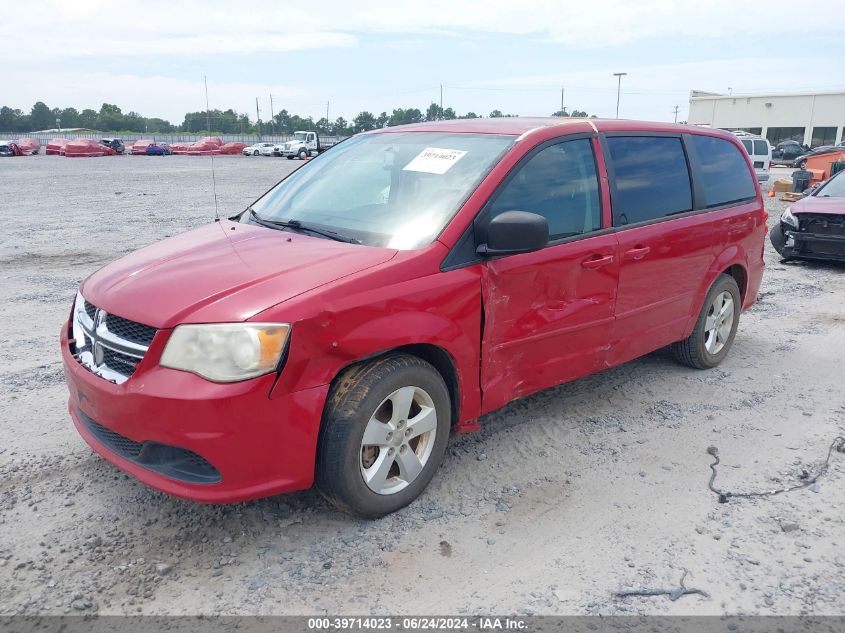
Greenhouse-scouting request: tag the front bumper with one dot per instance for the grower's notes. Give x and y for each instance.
(256, 444)
(790, 243)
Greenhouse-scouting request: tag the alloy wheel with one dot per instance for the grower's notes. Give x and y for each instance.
(398, 440)
(719, 322)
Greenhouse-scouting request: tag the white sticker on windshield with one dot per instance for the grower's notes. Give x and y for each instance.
(434, 160)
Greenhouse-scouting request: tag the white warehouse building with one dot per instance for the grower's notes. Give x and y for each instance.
(811, 118)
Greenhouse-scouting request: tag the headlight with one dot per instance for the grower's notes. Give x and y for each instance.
(76, 327)
(788, 218)
(226, 352)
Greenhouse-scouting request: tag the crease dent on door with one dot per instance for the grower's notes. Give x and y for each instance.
(494, 299)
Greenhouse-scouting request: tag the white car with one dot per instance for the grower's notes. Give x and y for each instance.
(264, 149)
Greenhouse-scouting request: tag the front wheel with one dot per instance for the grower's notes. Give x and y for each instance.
(255, 153)
(303, 154)
(715, 329)
(384, 433)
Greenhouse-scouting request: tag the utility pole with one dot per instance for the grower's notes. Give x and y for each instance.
(271, 113)
(561, 99)
(676, 113)
(441, 99)
(327, 112)
(257, 118)
(618, 90)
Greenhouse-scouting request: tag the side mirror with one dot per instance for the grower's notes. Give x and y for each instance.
(515, 232)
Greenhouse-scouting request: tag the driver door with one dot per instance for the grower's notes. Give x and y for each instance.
(548, 314)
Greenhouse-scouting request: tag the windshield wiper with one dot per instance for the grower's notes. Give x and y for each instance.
(301, 226)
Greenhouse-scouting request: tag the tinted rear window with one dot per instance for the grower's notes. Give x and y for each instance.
(761, 147)
(651, 178)
(748, 147)
(725, 176)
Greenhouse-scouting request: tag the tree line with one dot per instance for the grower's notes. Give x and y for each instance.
(110, 118)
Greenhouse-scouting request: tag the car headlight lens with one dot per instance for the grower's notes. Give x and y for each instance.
(76, 327)
(226, 352)
(788, 218)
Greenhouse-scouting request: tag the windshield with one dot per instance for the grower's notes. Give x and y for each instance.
(835, 188)
(299, 136)
(396, 190)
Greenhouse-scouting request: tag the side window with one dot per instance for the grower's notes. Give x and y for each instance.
(724, 173)
(560, 183)
(651, 177)
(748, 147)
(761, 148)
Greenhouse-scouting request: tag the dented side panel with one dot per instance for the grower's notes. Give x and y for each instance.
(547, 318)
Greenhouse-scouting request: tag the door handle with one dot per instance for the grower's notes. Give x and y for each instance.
(637, 253)
(597, 261)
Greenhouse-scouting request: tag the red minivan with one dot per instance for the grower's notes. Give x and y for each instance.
(399, 286)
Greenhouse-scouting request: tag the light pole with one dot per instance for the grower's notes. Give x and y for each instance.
(618, 89)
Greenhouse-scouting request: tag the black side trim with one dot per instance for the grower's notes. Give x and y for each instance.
(171, 461)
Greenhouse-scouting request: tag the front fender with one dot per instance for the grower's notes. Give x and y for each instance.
(445, 314)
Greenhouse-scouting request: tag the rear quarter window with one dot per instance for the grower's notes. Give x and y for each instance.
(724, 174)
(748, 146)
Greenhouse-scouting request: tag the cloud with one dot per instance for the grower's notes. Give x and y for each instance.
(53, 49)
(87, 28)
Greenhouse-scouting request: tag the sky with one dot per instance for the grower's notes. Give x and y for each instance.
(377, 55)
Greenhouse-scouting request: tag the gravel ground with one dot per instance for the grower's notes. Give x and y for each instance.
(559, 501)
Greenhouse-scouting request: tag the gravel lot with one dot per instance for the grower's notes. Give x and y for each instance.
(561, 500)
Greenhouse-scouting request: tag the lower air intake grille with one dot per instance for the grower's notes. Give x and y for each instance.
(171, 461)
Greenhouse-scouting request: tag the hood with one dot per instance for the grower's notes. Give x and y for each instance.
(818, 204)
(222, 272)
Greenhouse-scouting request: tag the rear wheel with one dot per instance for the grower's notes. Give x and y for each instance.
(384, 433)
(715, 328)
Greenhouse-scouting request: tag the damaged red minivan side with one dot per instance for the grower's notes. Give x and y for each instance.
(399, 286)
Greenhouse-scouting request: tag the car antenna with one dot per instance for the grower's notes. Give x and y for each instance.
(208, 127)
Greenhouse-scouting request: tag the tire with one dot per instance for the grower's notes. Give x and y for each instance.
(303, 154)
(290, 157)
(701, 350)
(255, 152)
(373, 480)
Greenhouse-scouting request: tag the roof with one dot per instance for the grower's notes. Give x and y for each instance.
(699, 95)
(516, 126)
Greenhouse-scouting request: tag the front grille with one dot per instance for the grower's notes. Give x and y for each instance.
(171, 461)
(123, 446)
(822, 224)
(109, 345)
(130, 330)
(119, 362)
